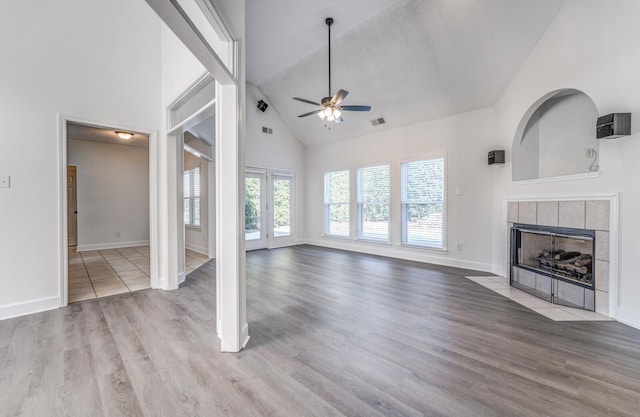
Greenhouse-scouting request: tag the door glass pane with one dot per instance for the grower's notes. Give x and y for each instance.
(252, 208)
(281, 207)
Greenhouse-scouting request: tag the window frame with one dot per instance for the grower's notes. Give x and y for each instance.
(190, 223)
(403, 202)
(360, 203)
(328, 204)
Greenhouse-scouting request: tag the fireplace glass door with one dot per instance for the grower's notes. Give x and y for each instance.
(555, 264)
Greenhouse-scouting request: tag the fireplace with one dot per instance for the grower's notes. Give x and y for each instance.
(554, 263)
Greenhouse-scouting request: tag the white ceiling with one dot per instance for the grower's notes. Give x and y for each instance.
(411, 60)
(97, 134)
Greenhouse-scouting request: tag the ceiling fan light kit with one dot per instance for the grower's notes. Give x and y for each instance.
(330, 107)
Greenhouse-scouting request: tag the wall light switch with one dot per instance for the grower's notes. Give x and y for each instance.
(5, 180)
(458, 191)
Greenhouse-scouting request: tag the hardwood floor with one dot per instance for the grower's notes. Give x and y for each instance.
(332, 333)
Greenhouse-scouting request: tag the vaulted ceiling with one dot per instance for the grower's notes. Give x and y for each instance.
(411, 60)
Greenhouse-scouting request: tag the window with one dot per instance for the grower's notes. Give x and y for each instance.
(373, 203)
(423, 203)
(336, 203)
(191, 192)
(282, 206)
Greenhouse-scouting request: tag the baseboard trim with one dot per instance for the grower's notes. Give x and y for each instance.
(114, 245)
(199, 249)
(630, 318)
(408, 254)
(244, 337)
(498, 270)
(29, 307)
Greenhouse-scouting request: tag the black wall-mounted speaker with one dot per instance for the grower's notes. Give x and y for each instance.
(613, 126)
(262, 106)
(496, 157)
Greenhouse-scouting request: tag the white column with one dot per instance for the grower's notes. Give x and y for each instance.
(230, 254)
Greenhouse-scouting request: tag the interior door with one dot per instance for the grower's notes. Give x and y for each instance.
(255, 208)
(72, 206)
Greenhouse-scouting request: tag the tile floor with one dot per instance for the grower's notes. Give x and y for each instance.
(194, 260)
(100, 273)
(552, 311)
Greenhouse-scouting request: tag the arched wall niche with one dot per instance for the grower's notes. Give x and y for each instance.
(555, 136)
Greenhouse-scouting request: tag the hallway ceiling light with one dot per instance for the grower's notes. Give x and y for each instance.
(124, 135)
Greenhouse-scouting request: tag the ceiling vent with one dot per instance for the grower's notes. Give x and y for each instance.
(378, 121)
(267, 130)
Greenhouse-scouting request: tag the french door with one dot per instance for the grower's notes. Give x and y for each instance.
(268, 209)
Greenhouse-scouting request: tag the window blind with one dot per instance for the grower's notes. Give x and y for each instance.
(336, 201)
(423, 202)
(191, 192)
(373, 202)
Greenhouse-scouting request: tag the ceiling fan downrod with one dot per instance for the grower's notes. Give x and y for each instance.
(329, 22)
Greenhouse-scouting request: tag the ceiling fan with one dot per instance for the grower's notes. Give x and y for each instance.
(330, 107)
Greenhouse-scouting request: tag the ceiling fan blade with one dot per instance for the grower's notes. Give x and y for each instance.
(339, 96)
(356, 108)
(311, 112)
(304, 100)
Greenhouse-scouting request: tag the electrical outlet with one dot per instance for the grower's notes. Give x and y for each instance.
(589, 153)
(5, 181)
(458, 191)
(459, 247)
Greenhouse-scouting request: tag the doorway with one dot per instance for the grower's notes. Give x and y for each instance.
(72, 207)
(108, 211)
(269, 208)
(198, 195)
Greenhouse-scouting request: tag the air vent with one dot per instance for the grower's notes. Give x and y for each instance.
(378, 121)
(267, 130)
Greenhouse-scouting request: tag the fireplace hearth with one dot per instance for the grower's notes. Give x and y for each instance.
(554, 263)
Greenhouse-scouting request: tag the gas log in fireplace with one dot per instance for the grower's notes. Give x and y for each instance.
(555, 264)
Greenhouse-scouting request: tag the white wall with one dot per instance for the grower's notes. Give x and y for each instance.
(179, 67)
(76, 59)
(566, 130)
(601, 59)
(113, 194)
(280, 150)
(466, 138)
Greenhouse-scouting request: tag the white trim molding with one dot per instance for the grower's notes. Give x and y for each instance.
(156, 182)
(114, 245)
(245, 335)
(571, 177)
(9, 311)
(400, 252)
(630, 318)
(199, 249)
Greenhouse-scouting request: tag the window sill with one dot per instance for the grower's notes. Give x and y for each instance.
(194, 228)
(571, 177)
(335, 237)
(443, 251)
(374, 241)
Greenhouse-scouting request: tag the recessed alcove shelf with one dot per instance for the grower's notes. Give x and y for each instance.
(555, 139)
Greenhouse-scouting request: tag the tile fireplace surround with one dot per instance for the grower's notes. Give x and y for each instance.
(594, 214)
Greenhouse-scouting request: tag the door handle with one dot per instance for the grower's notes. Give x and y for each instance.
(75, 212)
